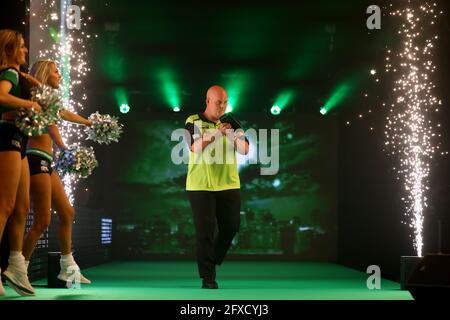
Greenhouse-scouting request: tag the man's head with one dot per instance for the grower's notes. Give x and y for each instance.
(216, 102)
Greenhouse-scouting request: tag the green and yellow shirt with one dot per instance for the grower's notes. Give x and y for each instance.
(208, 171)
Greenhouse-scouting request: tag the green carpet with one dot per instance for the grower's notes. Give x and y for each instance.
(237, 281)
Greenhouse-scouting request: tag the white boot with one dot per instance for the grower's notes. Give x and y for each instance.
(16, 274)
(68, 268)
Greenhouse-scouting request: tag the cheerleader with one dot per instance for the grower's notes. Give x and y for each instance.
(46, 188)
(14, 174)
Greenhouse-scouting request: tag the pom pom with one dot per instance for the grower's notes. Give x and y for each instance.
(77, 160)
(105, 128)
(33, 123)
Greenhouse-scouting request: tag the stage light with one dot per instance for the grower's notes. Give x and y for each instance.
(169, 87)
(337, 96)
(121, 97)
(282, 100)
(275, 110)
(373, 72)
(276, 183)
(176, 109)
(229, 108)
(237, 81)
(323, 111)
(124, 108)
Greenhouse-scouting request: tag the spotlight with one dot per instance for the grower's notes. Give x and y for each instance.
(323, 111)
(276, 183)
(275, 110)
(229, 108)
(124, 108)
(176, 109)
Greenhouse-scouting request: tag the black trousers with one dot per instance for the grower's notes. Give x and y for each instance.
(216, 218)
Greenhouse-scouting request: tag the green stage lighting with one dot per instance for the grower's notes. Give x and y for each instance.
(236, 83)
(275, 110)
(282, 100)
(120, 94)
(169, 87)
(124, 108)
(276, 183)
(338, 95)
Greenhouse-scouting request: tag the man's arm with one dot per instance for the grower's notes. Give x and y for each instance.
(241, 143)
(199, 143)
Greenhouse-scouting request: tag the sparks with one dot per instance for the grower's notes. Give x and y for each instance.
(409, 134)
(68, 48)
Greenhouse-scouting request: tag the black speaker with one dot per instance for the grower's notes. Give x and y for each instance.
(431, 278)
(407, 266)
(53, 271)
(4, 251)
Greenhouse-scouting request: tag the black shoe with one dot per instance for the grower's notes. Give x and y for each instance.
(209, 283)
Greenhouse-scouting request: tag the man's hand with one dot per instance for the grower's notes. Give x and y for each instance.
(211, 135)
(224, 127)
(240, 142)
(238, 134)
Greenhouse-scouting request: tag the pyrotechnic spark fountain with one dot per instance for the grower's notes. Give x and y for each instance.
(410, 131)
(69, 50)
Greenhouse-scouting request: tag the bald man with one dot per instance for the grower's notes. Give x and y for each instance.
(213, 183)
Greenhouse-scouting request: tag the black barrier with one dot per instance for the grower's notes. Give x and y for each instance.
(431, 278)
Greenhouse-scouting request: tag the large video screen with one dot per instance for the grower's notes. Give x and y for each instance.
(290, 214)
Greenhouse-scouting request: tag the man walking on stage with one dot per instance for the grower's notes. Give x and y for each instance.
(213, 183)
